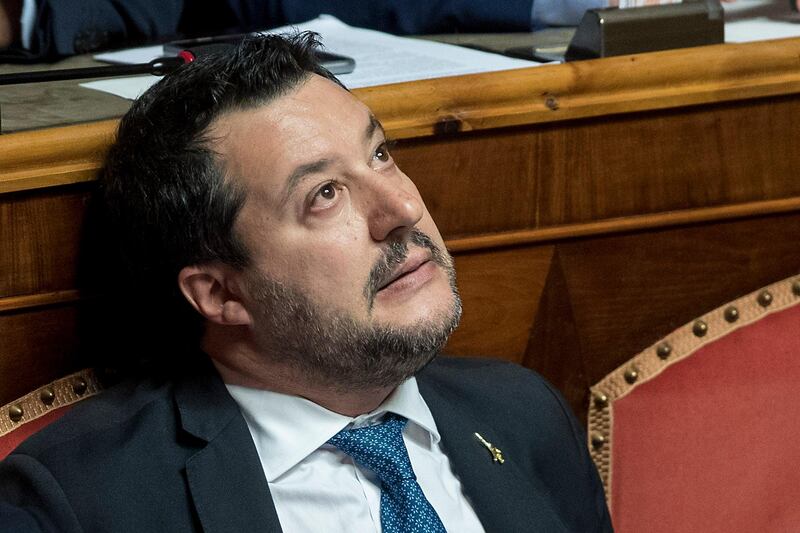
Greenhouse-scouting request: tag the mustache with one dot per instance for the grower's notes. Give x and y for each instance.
(394, 255)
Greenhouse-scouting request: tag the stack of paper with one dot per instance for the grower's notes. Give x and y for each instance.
(380, 58)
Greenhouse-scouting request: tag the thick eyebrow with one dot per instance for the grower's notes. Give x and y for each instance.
(305, 169)
(374, 124)
(301, 172)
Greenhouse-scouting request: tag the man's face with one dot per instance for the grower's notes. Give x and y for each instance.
(342, 246)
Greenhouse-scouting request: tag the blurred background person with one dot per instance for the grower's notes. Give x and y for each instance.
(33, 30)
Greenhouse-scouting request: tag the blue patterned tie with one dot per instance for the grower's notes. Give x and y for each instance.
(404, 508)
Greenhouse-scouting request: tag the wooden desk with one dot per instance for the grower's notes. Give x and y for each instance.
(591, 207)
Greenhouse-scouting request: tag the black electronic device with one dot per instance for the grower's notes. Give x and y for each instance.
(541, 54)
(613, 32)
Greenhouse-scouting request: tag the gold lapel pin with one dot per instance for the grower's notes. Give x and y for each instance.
(497, 453)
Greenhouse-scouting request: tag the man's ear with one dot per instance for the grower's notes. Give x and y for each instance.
(212, 290)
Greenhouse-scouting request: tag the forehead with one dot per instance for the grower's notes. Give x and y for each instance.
(318, 119)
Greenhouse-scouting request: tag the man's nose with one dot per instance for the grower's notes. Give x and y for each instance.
(393, 205)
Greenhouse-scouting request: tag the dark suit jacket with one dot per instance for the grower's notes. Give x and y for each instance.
(65, 27)
(179, 457)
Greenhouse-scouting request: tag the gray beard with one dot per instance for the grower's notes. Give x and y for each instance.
(329, 348)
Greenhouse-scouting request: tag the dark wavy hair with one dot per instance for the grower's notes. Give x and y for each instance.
(163, 197)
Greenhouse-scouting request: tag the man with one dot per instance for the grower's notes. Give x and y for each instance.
(262, 194)
(39, 29)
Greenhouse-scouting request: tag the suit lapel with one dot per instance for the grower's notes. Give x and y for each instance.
(225, 477)
(503, 495)
(231, 494)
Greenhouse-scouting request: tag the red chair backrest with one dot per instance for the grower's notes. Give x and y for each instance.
(701, 431)
(23, 417)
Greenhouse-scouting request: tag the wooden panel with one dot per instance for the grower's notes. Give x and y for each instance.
(39, 241)
(49, 158)
(554, 347)
(618, 85)
(611, 297)
(500, 291)
(565, 173)
(592, 207)
(625, 84)
(36, 347)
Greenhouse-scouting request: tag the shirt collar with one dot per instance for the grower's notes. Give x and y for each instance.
(287, 429)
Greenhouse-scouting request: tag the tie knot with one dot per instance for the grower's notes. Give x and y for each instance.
(379, 448)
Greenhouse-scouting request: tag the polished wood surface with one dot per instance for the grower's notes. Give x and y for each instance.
(501, 290)
(53, 157)
(609, 297)
(590, 207)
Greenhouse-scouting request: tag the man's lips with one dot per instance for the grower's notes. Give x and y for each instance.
(411, 264)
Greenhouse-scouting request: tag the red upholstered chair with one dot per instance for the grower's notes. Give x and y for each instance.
(701, 431)
(22, 418)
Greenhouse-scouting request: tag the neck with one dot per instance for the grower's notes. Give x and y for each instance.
(238, 364)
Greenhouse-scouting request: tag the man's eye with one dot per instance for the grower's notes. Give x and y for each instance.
(382, 153)
(328, 191)
(325, 197)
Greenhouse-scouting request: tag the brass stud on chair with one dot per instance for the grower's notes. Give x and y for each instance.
(700, 328)
(598, 441)
(663, 350)
(796, 287)
(15, 413)
(79, 386)
(600, 400)
(731, 314)
(47, 396)
(631, 375)
(764, 298)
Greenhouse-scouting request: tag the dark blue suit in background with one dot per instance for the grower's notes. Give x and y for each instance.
(177, 456)
(66, 27)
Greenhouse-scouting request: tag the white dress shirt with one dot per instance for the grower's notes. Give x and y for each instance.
(318, 488)
(26, 20)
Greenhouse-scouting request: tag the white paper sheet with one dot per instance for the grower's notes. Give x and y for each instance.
(131, 56)
(380, 58)
(131, 87)
(759, 20)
